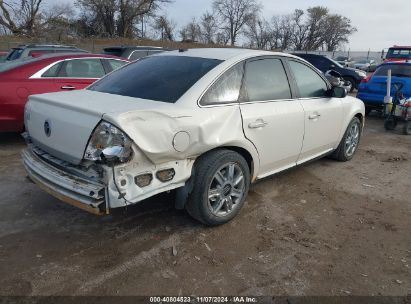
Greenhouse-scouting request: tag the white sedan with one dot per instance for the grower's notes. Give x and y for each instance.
(207, 122)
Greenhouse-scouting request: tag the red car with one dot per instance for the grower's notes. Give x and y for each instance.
(49, 73)
(398, 53)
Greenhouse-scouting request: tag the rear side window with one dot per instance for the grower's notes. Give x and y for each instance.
(226, 89)
(309, 83)
(399, 70)
(160, 78)
(115, 64)
(83, 68)
(52, 72)
(265, 79)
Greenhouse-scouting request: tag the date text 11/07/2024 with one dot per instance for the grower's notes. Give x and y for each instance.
(235, 299)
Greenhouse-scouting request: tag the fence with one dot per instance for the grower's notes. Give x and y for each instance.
(97, 46)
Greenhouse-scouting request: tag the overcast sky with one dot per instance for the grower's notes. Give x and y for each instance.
(380, 23)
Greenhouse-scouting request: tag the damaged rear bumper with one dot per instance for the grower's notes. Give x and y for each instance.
(74, 190)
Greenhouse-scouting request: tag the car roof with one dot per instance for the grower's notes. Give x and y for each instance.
(45, 46)
(127, 47)
(221, 53)
(48, 57)
(403, 62)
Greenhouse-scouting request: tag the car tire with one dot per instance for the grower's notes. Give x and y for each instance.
(407, 128)
(390, 123)
(349, 143)
(352, 82)
(221, 181)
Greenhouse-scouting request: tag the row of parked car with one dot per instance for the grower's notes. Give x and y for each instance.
(371, 86)
(35, 69)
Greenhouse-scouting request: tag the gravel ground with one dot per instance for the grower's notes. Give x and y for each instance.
(325, 228)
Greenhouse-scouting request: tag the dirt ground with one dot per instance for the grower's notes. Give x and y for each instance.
(325, 228)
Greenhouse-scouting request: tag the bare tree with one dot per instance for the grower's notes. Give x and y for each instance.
(165, 27)
(209, 28)
(300, 31)
(338, 30)
(191, 32)
(19, 16)
(235, 14)
(100, 14)
(258, 32)
(317, 27)
(57, 21)
(130, 10)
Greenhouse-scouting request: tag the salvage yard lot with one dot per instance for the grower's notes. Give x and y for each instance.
(325, 228)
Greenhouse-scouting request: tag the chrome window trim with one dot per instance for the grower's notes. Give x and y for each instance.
(39, 74)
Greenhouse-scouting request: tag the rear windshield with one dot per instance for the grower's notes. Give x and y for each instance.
(160, 78)
(398, 70)
(14, 54)
(113, 52)
(399, 53)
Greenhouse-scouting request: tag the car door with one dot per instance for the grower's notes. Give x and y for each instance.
(272, 120)
(76, 74)
(322, 114)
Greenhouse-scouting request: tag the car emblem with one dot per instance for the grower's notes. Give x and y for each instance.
(47, 128)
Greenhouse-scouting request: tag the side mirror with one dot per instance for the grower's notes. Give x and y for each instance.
(338, 92)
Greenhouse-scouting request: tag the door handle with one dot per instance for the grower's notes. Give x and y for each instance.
(314, 116)
(259, 123)
(68, 87)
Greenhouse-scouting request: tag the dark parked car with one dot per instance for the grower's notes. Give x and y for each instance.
(345, 61)
(324, 64)
(133, 53)
(24, 52)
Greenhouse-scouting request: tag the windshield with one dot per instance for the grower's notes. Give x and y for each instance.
(160, 78)
(14, 54)
(399, 53)
(399, 70)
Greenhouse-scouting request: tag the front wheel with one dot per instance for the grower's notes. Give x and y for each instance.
(350, 81)
(220, 187)
(349, 143)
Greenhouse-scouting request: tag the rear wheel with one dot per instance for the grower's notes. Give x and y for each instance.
(220, 187)
(349, 143)
(390, 123)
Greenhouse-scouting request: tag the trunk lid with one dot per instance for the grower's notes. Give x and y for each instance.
(62, 123)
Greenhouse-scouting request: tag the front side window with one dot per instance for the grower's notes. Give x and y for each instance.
(83, 68)
(309, 83)
(265, 79)
(160, 78)
(226, 89)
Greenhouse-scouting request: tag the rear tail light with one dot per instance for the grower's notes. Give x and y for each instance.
(368, 78)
